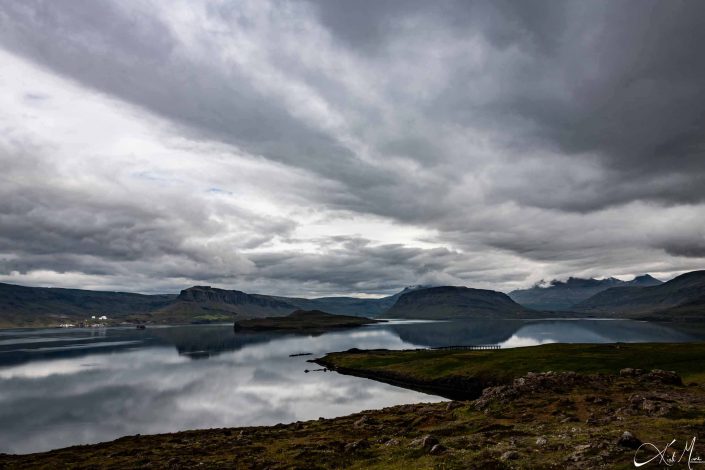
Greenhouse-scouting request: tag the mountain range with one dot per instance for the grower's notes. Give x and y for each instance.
(681, 298)
(564, 295)
(22, 306)
(41, 306)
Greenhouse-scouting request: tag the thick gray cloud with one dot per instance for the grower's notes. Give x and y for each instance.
(315, 147)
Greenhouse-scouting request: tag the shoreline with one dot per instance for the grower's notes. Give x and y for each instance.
(452, 388)
(657, 320)
(556, 419)
(561, 420)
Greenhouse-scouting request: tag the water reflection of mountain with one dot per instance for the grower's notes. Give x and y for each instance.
(196, 342)
(200, 342)
(206, 341)
(599, 331)
(453, 333)
(23, 346)
(474, 332)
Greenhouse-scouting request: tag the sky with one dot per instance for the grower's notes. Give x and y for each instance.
(330, 147)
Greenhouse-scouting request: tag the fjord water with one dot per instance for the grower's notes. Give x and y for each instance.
(75, 386)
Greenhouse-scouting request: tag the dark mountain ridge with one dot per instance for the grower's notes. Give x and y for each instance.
(449, 302)
(22, 306)
(205, 299)
(681, 298)
(682, 295)
(564, 295)
(351, 305)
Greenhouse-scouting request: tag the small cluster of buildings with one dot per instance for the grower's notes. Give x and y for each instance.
(92, 323)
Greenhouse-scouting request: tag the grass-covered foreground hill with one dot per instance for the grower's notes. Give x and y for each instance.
(597, 418)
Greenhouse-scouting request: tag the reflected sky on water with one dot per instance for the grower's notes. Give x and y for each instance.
(64, 387)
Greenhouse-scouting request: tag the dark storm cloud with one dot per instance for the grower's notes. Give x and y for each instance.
(622, 80)
(367, 24)
(619, 80)
(518, 134)
(359, 265)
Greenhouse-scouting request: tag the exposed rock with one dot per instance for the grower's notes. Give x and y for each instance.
(428, 442)
(453, 405)
(392, 442)
(667, 377)
(437, 449)
(649, 406)
(629, 372)
(628, 440)
(533, 383)
(357, 445)
(654, 405)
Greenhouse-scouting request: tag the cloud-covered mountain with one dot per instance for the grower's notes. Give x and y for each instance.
(681, 298)
(564, 295)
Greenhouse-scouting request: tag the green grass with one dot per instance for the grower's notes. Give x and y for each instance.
(687, 359)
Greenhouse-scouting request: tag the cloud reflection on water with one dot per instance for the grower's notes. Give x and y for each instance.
(54, 403)
(150, 383)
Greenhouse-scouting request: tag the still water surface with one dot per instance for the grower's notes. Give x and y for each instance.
(66, 387)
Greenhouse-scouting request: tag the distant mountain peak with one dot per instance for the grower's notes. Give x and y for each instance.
(682, 295)
(414, 287)
(645, 279)
(447, 302)
(563, 295)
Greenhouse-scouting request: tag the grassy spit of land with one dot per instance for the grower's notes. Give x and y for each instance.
(532, 420)
(463, 374)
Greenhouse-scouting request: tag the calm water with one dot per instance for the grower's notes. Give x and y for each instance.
(65, 387)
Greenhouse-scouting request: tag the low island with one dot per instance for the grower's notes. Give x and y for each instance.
(304, 320)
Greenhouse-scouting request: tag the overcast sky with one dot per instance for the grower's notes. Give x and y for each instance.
(349, 147)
